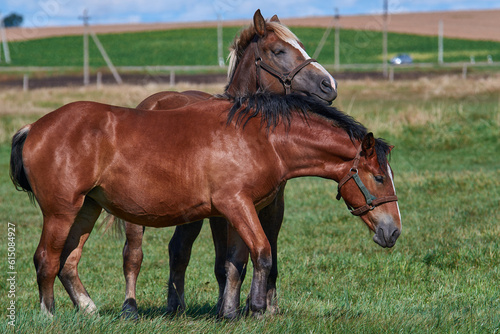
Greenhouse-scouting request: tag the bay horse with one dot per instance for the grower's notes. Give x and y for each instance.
(266, 56)
(211, 158)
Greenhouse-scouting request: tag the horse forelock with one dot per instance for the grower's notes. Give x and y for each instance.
(382, 149)
(282, 32)
(247, 35)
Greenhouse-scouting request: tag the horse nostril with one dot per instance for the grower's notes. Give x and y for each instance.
(326, 86)
(386, 235)
(328, 89)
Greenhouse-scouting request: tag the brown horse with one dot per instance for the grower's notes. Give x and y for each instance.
(261, 58)
(212, 158)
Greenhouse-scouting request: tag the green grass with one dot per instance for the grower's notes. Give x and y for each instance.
(442, 276)
(199, 47)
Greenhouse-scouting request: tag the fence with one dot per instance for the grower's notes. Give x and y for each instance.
(172, 70)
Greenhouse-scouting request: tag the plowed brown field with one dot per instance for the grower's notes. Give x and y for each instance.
(483, 25)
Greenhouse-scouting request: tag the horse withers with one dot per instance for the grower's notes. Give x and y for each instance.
(86, 156)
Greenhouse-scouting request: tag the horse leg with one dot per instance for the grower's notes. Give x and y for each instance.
(179, 250)
(49, 257)
(132, 261)
(219, 235)
(235, 269)
(271, 218)
(78, 235)
(243, 217)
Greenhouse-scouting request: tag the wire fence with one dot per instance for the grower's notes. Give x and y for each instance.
(171, 71)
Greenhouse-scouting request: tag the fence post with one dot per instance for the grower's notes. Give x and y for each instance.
(172, 78)
(99, 80)
(25, 83)
(391, 74)
(464, 71)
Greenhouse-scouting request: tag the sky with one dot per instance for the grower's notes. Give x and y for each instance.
(44, 13)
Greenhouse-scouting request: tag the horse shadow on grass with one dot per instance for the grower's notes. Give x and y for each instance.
(150, 312)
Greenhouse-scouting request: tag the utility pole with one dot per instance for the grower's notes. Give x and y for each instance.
(85, 17)
(4, 41)
(384, 39)
(322, 42)
(219, 40)
(337, 40)
(440, 42)
(103, 52)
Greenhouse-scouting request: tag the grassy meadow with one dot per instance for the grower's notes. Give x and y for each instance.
(443, 275)
(199, 47)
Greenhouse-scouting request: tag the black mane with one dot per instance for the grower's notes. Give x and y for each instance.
(275, 109)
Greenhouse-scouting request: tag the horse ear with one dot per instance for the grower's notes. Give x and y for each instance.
(390, 148)
(259, 23)
(368, 144)
(275, 19)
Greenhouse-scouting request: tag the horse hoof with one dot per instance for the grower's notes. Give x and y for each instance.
(233, 316)
(176, 309)
(129, 310)
(259, 314)
(273, 309)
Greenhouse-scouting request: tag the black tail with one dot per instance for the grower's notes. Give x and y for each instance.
(17, 172)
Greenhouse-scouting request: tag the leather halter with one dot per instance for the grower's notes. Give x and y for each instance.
(285, 78)
(371, 201)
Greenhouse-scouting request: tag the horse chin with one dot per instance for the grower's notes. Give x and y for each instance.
(327, 102)
(381, 242)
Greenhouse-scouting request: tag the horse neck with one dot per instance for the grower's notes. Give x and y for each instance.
(314, 147)
(244, 78)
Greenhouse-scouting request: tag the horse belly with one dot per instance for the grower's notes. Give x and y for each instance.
(150, 211)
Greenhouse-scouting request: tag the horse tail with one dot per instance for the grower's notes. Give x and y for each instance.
(117, 225)
(17, 171)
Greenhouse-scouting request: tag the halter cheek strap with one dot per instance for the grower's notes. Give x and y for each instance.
(371, 201)
(285, 78)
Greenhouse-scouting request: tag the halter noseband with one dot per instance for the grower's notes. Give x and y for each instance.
(371, 201)
(285, 78)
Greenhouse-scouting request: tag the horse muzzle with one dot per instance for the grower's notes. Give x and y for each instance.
(386, 233)
(328, 90)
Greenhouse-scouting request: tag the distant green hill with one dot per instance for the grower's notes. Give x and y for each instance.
(199, 47)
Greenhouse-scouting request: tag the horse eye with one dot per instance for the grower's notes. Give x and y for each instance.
(379, 178)
(278, 52)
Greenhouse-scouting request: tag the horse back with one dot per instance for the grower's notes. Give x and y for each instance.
(172, 100)
(168, 164)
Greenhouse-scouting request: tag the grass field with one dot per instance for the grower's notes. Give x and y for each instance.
(199, 47)
(443, 275)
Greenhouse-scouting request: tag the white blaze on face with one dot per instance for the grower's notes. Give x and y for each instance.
(393, 187)
(296, 45)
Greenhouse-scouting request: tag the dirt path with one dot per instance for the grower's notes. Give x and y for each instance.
(459, 24)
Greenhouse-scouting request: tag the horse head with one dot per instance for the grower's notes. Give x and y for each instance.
(368, 190)
(279, 61)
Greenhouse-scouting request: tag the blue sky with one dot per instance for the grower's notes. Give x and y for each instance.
(41, 13)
